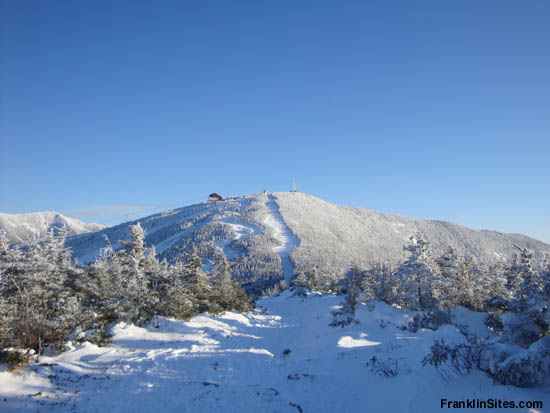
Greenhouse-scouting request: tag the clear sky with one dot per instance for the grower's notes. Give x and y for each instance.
(429, 109)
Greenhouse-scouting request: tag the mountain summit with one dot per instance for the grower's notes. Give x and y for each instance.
(34, 226)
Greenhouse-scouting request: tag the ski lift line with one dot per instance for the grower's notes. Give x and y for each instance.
(139, 211)
(57, 236)
(190, 201)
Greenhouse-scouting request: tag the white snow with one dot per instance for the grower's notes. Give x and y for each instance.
(288, 241)
(240, 230)
(333, 238)
(308, 232)
(350, 342)
(35, 225)
(235, 363)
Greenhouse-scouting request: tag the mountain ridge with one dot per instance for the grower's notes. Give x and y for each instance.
(309, 232)
(31, 226)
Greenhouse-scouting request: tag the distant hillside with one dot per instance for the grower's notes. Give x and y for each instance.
(271, 236)
(333, 237)
(26, 227)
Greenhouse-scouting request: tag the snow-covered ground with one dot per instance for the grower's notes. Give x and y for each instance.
(236, 363)
(288, 241)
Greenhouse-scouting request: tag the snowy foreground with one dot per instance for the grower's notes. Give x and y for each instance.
(235, 363)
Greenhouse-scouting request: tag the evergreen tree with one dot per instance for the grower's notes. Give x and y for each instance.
(388, 284)
(447, 291)
(533, 301)
(495, 285)
(353, 285)
(371, 280)
(40, 305)
(300, 284)
(138, 303)
(312, 279)
(513, 278)
(227, 295)
(10, 268)
(196, 283)
(105, 289)
(179, 302)
(416, 276)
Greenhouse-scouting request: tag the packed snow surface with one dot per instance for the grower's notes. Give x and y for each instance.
(240, 230)
(237, 363)
(288, 241)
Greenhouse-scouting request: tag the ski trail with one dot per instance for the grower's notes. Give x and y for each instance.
(241, 229)
(284, 235)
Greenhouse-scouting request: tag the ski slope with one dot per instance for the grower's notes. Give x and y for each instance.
(276, 235)
(288, 241)
(236, 363)
(240, 230)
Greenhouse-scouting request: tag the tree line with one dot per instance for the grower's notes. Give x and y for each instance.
(45, 296)
(515, 296)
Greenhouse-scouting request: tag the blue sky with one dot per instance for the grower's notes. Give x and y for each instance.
(427, 109)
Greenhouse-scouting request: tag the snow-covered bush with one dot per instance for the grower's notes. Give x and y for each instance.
(461, 358)
(494, 323)
(386, 366)
(431, 319)
(299, 285)
(523, 367)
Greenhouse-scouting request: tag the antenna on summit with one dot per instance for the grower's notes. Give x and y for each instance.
(293, 187)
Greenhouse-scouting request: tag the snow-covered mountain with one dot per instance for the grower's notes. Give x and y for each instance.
(268, 236)
(35, 226)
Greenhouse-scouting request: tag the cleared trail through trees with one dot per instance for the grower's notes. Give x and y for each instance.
(241, 229)
(281, 232)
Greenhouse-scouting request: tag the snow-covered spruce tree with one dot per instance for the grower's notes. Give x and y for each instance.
(371, 282)
(513, 280)
(312, 279)
(416, 276)
(352, 290)
(178, 301)
(128, 284)
(353, 284)
(527, 327)
(10, 267)
(105, 294)
(448, 291)
(300, 284)
(139, 303)
(496, 293)
(196, 282)
(388, 286)
(226, 293)
(467, 281)
(156, 275)
(40, 304)
(532, 299)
